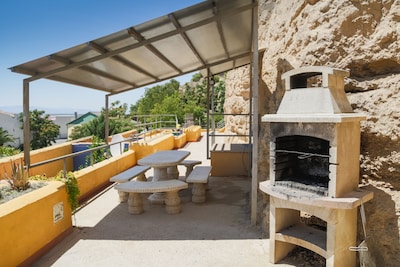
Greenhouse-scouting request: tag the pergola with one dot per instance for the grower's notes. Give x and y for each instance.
(211, 37)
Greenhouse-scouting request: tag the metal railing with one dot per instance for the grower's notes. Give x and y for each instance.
(212, 133)
(156, 121)
(145, 123)
(90, 151)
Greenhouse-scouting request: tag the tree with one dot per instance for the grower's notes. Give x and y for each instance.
(170, 105)
(5, 137)
(43, 130)
(153, 96)
(191, 98)
(119, 122)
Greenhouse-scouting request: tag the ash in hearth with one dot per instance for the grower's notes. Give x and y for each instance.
(296, 189)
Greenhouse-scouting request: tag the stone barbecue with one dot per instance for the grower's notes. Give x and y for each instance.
(314, 167)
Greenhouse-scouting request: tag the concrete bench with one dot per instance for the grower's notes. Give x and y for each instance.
(125, 176)
(170, 187)
(189, 164)
(199, 178)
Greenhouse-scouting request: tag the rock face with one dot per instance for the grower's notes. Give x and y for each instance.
(362, 36)
(237, 102)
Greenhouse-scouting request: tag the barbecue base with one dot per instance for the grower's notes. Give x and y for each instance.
(340, 215)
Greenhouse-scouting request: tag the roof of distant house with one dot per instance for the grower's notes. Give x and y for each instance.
(84, 118)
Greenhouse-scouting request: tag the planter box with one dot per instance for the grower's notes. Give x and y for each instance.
(32, 223)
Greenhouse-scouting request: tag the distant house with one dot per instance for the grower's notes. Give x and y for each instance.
(62, 120)
(11, 124)
(81, 120)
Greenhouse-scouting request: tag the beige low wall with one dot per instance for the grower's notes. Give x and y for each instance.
(28, 226)
(230, 160)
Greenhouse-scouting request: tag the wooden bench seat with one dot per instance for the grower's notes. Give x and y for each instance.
(125, 176)
(189, 164)
(170, 187)
(199, 178)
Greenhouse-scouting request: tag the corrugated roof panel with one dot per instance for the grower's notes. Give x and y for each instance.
(147, 60)
(176, 50)
(83, 77)
(207, 42)
(232, 28)
(209, 34)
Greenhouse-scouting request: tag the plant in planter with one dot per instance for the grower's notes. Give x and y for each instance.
(19, 179)
(71, 185)
(18, 183)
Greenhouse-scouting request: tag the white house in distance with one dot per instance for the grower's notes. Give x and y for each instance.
(10, 123)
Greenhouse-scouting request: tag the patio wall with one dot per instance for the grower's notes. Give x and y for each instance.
(94, 178)
(39, 155)
(28, 226)
(193, 133)
(27, 223)
(144, 148)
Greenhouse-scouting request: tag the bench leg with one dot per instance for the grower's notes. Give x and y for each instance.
(135, 203)
(189, 169)
(141, 177)
(199, 193)
(123, 196)
(172, 202)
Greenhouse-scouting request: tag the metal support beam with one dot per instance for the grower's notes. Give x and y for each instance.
(254, 88)
(26, 124)
(106, 120)
(208, 114)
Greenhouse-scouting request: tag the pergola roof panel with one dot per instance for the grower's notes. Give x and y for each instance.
(207, 42)
(180, 55)
(211, 34)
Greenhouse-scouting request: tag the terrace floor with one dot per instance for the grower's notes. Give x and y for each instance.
(216, 233)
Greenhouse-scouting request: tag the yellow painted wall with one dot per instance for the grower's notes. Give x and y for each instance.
(180, 141)
(193, 133)
(94, 177)
(143, 148)
(39, 155)
(27, 224)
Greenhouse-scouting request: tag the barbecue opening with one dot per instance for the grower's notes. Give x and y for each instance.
(302, 162)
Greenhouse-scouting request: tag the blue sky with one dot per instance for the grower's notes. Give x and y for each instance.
(30, 29)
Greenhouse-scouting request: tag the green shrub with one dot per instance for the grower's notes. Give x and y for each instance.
(71, 185)
(6, 151)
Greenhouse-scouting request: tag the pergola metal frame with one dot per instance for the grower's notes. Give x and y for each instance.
(211, 37)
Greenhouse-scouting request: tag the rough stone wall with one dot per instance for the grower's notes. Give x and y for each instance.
(237, 102)
(362, 36)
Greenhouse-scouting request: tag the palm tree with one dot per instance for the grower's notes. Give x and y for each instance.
(5, 137)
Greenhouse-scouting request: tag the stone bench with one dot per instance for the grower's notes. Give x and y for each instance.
(125, 176)
(199, 178)
(189, 164)
(170, 187)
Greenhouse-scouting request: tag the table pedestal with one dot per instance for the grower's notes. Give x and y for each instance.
(160, 174)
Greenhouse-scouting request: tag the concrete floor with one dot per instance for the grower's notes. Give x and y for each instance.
(216, 233)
